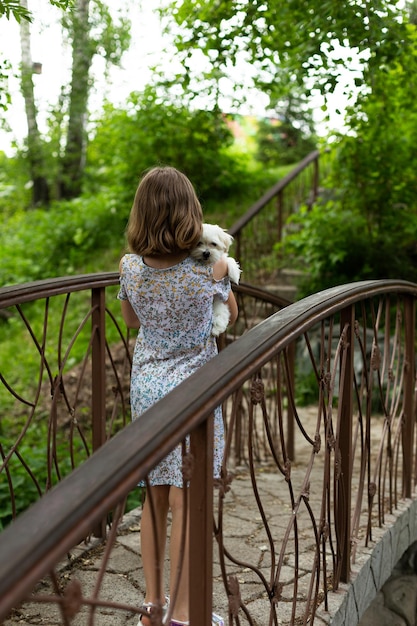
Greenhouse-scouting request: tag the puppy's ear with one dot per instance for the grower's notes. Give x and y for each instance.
(226, 239)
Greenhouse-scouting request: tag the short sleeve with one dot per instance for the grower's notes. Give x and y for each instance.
(122, 295)
(122, 292)
(222, 288)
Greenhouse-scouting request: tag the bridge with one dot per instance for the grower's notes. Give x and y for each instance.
(318, 476)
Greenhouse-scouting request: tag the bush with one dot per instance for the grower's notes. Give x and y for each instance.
(366, 227)
(151, 132)
(40, 243)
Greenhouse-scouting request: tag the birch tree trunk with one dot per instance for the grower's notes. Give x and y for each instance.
(40, 191)
(82, 54)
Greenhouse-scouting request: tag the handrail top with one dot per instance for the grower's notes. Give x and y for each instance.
(47, 287)
(26, 292)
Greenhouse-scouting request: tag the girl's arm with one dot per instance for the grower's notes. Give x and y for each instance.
(220, 271)
(232, 304)
(129, 316)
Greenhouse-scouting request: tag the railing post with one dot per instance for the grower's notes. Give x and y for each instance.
(201, 525)
(280, 214)
(316, 177)
(98, 375)
(344, 445)
(238, 242)
(409, 392)
(290, 410)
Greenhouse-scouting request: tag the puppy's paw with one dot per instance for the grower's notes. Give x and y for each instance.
(234, 270)
(221, 317)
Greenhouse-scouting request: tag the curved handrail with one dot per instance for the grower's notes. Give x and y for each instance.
(48, 287)
(31, 546)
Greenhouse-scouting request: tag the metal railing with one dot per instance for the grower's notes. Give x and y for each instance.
(73, 409)
(263, 225)
(354, 458)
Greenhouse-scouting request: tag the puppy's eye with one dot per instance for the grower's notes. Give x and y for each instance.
(200, 243)
(214, 244)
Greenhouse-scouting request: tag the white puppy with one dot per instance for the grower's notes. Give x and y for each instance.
(213, 245)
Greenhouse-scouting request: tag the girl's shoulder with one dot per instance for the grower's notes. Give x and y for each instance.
(129, 260)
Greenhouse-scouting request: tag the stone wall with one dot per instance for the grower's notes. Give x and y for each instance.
(383, 587)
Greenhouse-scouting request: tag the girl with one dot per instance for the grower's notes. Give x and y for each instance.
(169, 296)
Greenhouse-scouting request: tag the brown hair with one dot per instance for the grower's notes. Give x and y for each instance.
(166, 216)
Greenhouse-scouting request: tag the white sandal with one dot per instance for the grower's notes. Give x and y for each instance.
(147, 607)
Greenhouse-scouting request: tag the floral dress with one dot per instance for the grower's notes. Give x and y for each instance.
(175, 309)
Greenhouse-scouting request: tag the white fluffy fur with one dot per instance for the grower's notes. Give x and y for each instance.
(213, 245)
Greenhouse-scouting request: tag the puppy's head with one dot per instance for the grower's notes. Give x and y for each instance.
(213, 244)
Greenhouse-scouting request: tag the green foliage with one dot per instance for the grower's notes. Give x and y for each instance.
(306, 388)
(289, 136)
(5, 98)
(287, 43)
(365, 225)
(33, 451)
(10, 8)
(282, 142)
(111, 37)
(151, 131)
(15, 189)
(36, 245)
(66, 238)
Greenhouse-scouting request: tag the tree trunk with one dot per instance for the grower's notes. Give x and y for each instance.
(40, 192)
(82, 54)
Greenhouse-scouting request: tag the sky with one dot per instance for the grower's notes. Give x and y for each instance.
(49, 49)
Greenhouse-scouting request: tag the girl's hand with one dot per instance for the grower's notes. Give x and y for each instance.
(220, 269)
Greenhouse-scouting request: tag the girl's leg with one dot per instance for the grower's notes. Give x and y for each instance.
(176, 502)
(153, 532)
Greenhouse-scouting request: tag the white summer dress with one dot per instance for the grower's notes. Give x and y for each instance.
(175, 309)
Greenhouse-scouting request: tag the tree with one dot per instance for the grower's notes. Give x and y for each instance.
(40, 192)
(289, 43)
(19, 10)
(92, 31)
(365, 225)
(82, 56)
